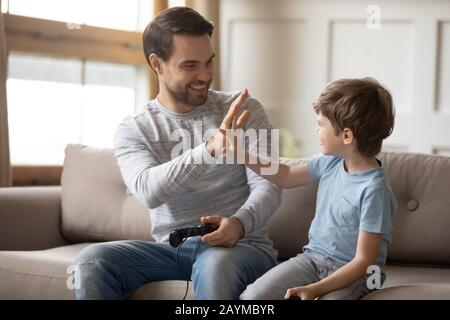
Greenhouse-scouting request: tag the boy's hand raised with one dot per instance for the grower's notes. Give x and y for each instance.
(217, 145)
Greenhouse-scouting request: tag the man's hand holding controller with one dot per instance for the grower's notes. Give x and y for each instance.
(229, 232)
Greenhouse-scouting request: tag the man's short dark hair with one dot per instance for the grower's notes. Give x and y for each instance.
(158, 35)
(362, 105)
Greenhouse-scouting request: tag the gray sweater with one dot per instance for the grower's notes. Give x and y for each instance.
(165, 165)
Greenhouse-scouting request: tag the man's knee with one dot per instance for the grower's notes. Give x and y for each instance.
(96, 252)
(95, 260)
(97, 273)
(218, 276)
(213, 280)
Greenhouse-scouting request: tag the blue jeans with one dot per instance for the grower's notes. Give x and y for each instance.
(110, 270)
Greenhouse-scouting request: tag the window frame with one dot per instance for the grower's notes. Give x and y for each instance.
(59, 39)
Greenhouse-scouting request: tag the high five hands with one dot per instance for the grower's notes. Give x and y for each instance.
(219, 144)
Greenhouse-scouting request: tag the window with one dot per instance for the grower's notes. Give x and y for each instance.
(69, 83)
(116, 14)
(4, 6)
(53, 102)
(132, 15)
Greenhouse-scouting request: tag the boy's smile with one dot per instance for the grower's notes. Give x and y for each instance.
(331, 143)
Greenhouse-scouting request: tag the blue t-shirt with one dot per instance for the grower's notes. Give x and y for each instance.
(346, 204)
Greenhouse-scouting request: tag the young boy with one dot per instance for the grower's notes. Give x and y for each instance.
(352, 227)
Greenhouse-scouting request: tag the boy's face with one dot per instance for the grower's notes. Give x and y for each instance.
(189, 71)
(331, 143)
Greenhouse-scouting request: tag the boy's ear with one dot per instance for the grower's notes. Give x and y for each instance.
(156, 63)
(347, 136)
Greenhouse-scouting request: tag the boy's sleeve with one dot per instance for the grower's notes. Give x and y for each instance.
(377, 209)
(318, 164)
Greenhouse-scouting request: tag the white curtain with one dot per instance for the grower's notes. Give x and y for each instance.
(5, 165)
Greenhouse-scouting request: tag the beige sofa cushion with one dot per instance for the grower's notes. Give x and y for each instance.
(412, 292)
(399, 275)
(163, 290)
(95, 202)
(421, 184)
(40, 274)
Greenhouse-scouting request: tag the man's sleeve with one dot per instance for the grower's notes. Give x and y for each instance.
(264, 197)
(149, 181)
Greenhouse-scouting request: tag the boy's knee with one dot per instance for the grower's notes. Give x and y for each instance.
(260, 291)
(249, 294)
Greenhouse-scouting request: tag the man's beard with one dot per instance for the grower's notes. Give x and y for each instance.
(189, 96)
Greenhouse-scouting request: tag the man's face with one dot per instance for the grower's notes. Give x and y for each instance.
(331, 143)
(188, 73)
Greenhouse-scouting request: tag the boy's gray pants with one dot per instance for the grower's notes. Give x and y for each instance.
(305, 268)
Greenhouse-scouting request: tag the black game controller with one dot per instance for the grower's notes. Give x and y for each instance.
(177, 236)
(294, 297)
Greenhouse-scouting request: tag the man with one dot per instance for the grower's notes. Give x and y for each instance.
(184, 190)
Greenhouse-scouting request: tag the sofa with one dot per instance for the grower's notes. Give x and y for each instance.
(42, 229)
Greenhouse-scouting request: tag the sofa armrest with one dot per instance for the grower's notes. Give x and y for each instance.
(30, 218)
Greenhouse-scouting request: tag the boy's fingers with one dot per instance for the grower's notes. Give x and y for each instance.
(233, 123)
(227, 121)
(288, 294)
(243, 119)
(234, 109)
(240, 99)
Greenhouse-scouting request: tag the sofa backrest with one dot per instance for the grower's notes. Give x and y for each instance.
(94, 199)
(97, 207)
(421, 184)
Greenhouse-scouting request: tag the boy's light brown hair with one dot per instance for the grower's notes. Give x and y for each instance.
(362, 105)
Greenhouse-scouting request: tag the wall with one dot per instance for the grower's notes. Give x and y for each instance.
(285, 52)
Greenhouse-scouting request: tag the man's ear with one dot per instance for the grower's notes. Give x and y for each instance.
(156, 63)
(347, 136)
